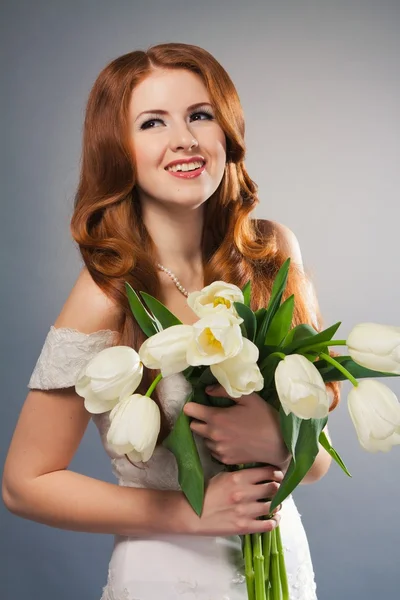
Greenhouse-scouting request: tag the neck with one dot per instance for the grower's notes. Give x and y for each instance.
(176, 234)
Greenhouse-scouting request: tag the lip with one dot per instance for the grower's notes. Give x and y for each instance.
(180, 161)
(187, 174)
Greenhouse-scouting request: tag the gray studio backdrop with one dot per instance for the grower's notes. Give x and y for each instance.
(319, 82)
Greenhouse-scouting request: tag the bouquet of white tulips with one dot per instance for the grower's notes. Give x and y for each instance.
(246, 351)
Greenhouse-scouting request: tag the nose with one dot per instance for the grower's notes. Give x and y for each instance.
(182, 138)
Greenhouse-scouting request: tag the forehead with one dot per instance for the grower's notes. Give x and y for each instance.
(170, 89)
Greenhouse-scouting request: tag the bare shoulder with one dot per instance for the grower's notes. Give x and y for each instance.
(287, 240)
(52, 422)
(88, 308)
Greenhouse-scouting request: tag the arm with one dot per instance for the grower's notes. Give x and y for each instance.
(321, 464)
(36, 482)
(290, 244)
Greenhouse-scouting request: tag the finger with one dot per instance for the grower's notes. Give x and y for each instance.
(262, 474)
(211, 445)
(218, 391)
(260, 526)
(261, 491)
(261, 509)
(199, 411)
(200, 428)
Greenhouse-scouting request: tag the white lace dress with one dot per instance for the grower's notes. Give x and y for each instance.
(167, 567)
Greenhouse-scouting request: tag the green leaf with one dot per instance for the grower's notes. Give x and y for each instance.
(259, 314)
(277, 291)
(161, 312)
(190, 471)
(144, 319)
(279, 284)
(313, 338)
(207, 378)
(301, 438)
(280, 323)
(249, 319)
(246, 291)
(298, 333)
(325, 443)
(201, 397)
(199, 394)
(330, 373)
(269, 368)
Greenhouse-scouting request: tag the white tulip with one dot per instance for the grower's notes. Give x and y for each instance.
(216, 337)
(112, 374)
(375, 346)
(240, 375)
(134, 429)
(167, 349)
(300, 388)
(375, 412)
(216, 297)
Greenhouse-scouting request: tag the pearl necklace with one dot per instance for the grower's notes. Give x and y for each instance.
(174, 279)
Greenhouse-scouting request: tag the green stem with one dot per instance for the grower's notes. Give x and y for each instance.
(248, 567)
(258, 562)
(339, 367)
(268, 591)
(265, 361)
(275, 575)
(282, 567)
(323, 345)
(267, 539)
(153, 385)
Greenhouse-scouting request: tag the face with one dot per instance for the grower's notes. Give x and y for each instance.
(172, 120)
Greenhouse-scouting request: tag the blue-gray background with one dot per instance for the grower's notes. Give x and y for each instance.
(319, 82)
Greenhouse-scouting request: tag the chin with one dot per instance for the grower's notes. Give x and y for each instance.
(188, 201)
(185, 203)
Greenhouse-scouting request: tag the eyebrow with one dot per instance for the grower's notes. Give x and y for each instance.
(159, 111)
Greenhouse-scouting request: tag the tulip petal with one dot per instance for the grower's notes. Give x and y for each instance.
(375, 413)
(300, 388)
(385, 364)
(113, 361)
(218, 297)
(134, 456)
(238, 375)
(95, 405)
(216, 338)
(375, 346)
(166, 350)
(135, 425)
(82, 385)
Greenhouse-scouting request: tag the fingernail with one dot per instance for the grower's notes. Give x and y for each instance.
(210, 388)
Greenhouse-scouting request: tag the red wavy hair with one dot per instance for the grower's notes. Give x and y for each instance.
(107, 224)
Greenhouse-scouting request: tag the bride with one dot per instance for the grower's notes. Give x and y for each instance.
(163, 202)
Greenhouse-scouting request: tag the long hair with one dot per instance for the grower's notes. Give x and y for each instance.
(107, 225)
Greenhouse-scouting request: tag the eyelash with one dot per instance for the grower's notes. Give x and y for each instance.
(198, 112)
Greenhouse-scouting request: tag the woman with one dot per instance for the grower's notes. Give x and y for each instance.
(163, 188)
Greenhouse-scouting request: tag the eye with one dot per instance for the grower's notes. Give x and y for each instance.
(147, 124)
(209, 116)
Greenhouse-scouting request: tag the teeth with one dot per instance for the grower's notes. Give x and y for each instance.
(186, 166)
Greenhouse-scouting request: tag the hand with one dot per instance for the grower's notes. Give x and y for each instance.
(246, 432)
(232, 502)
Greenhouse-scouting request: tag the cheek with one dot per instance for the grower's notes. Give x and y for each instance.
(146, 155)
(221, 149)
(222, 153)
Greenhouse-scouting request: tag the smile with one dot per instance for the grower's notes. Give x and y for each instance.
(187, 170)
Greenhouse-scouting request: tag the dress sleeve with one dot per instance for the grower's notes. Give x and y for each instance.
(64, 354)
